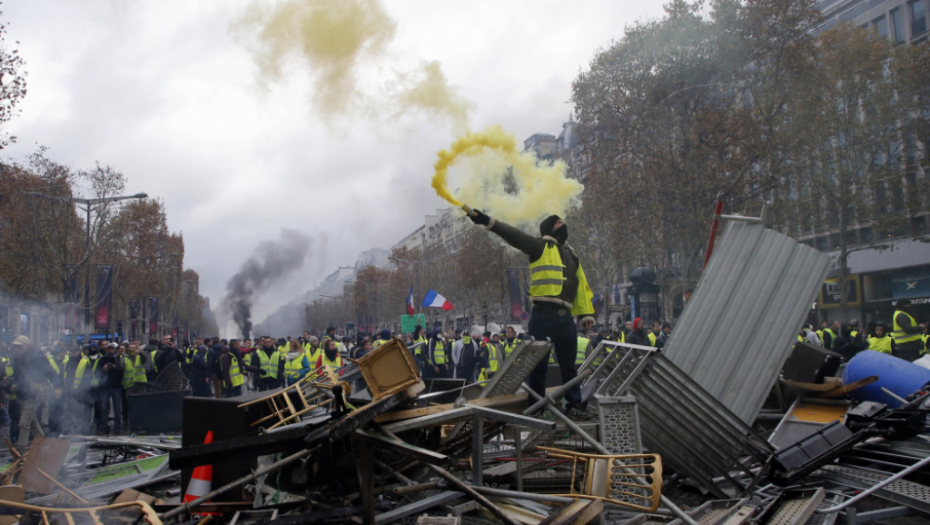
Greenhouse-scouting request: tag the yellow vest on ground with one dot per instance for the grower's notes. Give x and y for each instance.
(900, 336)
(880, 344)
(547, 278)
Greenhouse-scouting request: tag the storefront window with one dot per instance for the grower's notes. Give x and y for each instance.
(877, 286)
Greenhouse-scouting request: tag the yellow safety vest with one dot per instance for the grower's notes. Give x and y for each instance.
(154, 367)
(51, 361)
(133, 371)
(800, 339)
(832, 335)
(235, 375)
(312, 354)
(439, 353)
(652, 338)
(269, 364)
(510, 347)
(79, 373)
(583, 343)
(880, 344)
(335, 363)
(494, 357)
(900, 336)
(292, 368)
(8, 368)
(547, 277)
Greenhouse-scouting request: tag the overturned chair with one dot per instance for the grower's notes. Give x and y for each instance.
(628, 480)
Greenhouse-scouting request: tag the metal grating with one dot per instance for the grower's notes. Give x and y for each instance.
(518, 365)
(798, 509)
(606, 361)
(695, 434)
(737, 329)
(620, 425)
(905, 492)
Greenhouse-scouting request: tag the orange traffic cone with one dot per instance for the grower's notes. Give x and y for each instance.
(202, 479)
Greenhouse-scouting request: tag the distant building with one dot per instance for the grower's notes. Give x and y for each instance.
(900, 20)
(444, 229)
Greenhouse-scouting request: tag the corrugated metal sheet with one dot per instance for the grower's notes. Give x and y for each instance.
(738, 328)
(695, 434)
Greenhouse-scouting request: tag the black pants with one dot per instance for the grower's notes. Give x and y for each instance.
(558, 325)
(14, 420)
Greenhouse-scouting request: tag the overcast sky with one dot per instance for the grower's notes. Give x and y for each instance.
(163, 91)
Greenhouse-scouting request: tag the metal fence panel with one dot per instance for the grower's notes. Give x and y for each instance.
(737, 330)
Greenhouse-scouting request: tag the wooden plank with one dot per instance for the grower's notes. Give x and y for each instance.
(566, 514)
(134, 495)
(46, 454)
(845, 389)
(590, 513)
(499, 401)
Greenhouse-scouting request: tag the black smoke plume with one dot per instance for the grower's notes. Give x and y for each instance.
(270, 262)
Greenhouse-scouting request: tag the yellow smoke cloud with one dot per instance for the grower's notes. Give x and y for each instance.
(332, 36)
(493, 176)
(428, 89)
(336, 39)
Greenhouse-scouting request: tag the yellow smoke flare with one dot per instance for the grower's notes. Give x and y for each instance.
(503, 182)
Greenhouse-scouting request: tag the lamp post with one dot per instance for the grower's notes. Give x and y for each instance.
(88, 205)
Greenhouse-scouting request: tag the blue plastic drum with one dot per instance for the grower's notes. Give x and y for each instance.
(897, 375)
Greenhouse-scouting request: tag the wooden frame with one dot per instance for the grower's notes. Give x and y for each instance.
(601, 472)
(311, 393)
(388, 369)
(93, 513)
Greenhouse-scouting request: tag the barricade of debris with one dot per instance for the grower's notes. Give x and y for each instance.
(722, 427)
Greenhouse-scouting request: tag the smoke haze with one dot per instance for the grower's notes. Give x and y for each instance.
(336, 40)
(271, 262)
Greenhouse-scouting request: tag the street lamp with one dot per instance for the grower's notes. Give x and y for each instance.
(88, 205)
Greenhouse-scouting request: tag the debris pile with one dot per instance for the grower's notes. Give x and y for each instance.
(664, 439)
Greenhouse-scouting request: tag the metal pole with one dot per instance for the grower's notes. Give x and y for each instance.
(865, 493)
(544, 498)
(669, 504)
(87, 281)
(551, 397)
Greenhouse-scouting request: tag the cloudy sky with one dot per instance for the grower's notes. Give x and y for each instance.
(169, 94)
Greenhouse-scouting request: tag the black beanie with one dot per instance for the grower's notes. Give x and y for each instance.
(545, 227)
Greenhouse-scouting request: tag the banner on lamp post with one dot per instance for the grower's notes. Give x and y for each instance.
(104, 296)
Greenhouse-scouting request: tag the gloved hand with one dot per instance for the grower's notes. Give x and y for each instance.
(479, 218)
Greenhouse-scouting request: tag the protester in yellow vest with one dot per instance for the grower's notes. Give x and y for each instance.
(438, 359)
(231, 372)
(907, 333)
(560, 294)
(881, 341)
(330, 357)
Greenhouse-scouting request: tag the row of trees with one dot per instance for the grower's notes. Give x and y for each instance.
(740, 99)
(47, 246)
(469, 270)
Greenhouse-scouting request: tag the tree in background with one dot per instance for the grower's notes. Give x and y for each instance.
(12, 83)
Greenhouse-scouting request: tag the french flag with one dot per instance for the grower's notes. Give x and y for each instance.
(410, 302)
(437, 301)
